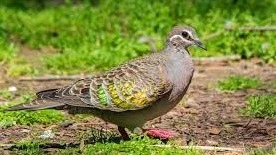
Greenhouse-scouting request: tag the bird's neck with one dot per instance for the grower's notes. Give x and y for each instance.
(180, 69)
(179, 49)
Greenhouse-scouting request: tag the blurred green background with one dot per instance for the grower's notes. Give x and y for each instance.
(84, 36)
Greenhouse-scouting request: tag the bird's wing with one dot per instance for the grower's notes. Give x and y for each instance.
(130, 87)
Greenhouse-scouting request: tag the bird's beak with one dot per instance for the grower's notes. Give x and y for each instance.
(200, 44)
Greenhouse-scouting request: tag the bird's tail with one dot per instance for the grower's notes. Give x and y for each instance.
(44, 100)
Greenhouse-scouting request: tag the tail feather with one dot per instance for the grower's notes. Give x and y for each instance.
(44, 100)
(36, 105)
(52, 98)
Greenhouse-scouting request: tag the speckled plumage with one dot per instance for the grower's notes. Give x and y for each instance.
(134, 92)
(132, 86)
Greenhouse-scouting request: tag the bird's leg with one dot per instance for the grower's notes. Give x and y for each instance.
(123, 133)
(159, 133)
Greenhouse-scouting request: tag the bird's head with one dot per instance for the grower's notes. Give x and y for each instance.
(183, 37)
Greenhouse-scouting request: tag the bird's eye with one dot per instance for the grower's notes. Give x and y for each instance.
(185, 34)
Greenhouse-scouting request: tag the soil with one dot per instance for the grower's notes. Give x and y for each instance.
(205, 116)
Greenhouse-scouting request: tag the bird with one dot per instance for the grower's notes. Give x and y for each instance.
(132, 93)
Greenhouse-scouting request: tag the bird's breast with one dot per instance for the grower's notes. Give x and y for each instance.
(180, 72)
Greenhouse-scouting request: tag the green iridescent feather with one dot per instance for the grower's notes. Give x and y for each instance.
(102, 96)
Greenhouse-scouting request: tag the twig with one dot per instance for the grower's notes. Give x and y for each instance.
(262, 28)
(212, 35)
(247, 124)
(207, 148)
(218, 59)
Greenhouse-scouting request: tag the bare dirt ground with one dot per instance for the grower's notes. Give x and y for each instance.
(206, 116)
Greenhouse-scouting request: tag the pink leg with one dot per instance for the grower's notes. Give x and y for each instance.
(123, 133)
(159, 133)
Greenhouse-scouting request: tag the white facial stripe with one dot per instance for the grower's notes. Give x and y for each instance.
(179, 36)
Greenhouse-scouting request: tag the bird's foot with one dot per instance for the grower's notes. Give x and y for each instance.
(159, 133)
(123, 133)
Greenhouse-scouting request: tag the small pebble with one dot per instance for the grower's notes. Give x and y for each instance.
(212, 142)
(25, 130)
(12, 89)
(47, 134)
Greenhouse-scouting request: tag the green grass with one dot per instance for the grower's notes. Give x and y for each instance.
(7, 50)
(271, 151)
(49, 116)
(5, 94)
(8, 55)
(28, 148)
(136, 146)
(272, 84)
(10, 118)
(261, 106)
(97, 35)
(20, 67)
(236, 82)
